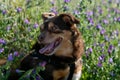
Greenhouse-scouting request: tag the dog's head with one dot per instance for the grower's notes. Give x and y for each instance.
(58, 34)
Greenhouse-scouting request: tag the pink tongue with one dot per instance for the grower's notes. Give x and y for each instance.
(47, 49)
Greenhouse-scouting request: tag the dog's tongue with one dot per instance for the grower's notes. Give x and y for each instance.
(47, 49)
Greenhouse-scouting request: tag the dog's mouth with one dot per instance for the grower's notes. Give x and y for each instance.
(49, 48)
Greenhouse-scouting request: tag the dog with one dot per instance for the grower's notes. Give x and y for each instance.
(60, 46)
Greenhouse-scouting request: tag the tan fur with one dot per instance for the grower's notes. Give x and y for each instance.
(2, 61)
(60, 74)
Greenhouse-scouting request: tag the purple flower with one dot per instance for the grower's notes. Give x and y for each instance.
(90, 50)
(86, 53)
(106, 38)
(67, 1)
(53, 9)
(115, 33)
(33, 71)
(90, 13)
(16, 53)
(102, 31)
(35, 25)
(99, 27)
(101, 58)
(99, 64)
(110, 60)
(2, 41)
(29, 29)
(110, 49)
(43, 63)
(18, 71)
(4, 12)
(109, 15)
(117, 11)
(115, 19)
(105, 21)
(8, 28)
(38, 77)
(1, 50)
(76, 12)
(102, 50)
(19, 10)
(26, 21)
(66, 8)
(109, 1)
(100, 10)
(52, 2)
(102, 45)
(118, 19)
(91, 21)
(10, 57)
(112, 73)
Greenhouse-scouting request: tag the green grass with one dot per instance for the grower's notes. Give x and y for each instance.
(19, 36)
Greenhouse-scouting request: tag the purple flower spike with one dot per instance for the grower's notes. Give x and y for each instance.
(26, 21)
(105, 21)
(66, 8)
(90, 13)
(112, 73)
(2, 41)
(102, 31)
(100, 10)
(54, 10)
(99, 27)
(19, 10)
(91, 21)
(4, 12)
(101, 58)
(115, 19)
(106, 38)
(110, 60)
(118, 19)
(1, 50)
(99, 64)
(10, 57)
(35, 25)
(52, 2)
(110, 49)
(8, 28)
(38, 77)
(43, 63)
(76, 12)
(16, 53)
(91, 50)
(18, 71)
(67, 1)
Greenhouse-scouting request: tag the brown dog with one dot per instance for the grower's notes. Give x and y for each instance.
(60, 45)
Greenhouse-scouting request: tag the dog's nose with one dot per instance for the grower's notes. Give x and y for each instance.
(41, 37)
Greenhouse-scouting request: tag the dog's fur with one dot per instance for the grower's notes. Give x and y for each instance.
(60, 45)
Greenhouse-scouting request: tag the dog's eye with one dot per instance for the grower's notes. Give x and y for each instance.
(55, 29)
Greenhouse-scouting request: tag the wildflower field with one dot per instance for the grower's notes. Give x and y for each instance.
(99, 25)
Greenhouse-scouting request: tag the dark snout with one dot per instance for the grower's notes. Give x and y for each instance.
(41, 37)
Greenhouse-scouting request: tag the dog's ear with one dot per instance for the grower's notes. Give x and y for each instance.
(46, 16)
(69, 19)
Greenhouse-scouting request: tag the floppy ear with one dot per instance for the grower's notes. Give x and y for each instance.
(46, 16)
(69, 19)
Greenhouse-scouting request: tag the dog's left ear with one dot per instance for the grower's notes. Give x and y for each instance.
(46, 16)
(69, 19)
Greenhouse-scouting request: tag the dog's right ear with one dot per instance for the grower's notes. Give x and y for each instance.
(46, 16)
(69, 19)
